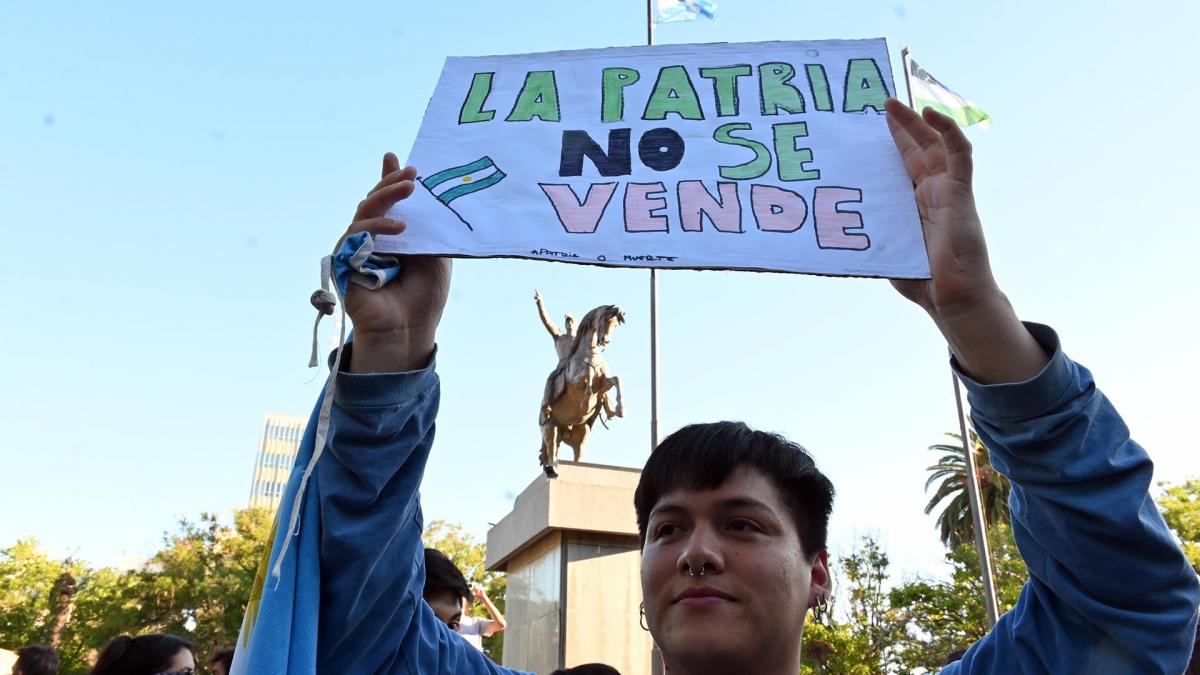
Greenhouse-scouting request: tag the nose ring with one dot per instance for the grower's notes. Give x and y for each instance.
(692, 571)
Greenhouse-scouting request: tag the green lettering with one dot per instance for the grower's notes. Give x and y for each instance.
(725, 87)
(792, 159)
(818, 84)
(472, 107)
(673, 93)
(752, 169)
(775, 92)
(538, 98)
(612, 100)
(865, 87)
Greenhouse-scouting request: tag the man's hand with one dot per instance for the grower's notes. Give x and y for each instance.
(395, 326)
(962, 296)
(478, 592)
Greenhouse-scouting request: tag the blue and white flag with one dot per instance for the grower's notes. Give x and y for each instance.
(279, 631)
(667, 11)
(459, 181)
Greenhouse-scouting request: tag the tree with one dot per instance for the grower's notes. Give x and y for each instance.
(955, 524)
(27, 597)
(105, 606)
(861, 643)
(469, 555)
(197, 586)
(1180, 506)
(940, 617)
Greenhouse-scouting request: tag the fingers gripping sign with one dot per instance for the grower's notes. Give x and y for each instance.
(395, 325)
(937, 156)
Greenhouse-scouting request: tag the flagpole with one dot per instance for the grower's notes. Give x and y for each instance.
(980, 527)
(653, 290)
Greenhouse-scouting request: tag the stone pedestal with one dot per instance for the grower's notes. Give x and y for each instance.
(570, 549)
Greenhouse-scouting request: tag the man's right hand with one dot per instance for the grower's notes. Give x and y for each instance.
(395, 326)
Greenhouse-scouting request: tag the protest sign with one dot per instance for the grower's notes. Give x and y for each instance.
(762, 156)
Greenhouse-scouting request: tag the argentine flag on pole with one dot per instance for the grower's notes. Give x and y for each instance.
(667, 11)
(927, 92)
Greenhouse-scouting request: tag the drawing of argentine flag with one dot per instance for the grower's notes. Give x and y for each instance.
(459, 181)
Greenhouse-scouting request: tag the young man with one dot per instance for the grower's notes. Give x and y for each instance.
(449, 596)
(734, 520)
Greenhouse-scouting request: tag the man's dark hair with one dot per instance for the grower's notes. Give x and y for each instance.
(36, 660)
(703, 456)
(443, 576)
(141, 655)
(588, 669)
(223, 656)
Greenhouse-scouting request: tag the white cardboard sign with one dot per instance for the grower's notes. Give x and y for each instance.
(760, 156)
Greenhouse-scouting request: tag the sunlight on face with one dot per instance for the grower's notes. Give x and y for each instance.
(748, 608)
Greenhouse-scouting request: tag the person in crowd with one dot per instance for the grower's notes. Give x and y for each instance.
(733, 521)
(152, 654)
(588, 669)
(36, 660)
(446, 590)
(221, 661)
(474, 629)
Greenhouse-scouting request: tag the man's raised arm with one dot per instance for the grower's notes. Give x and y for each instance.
(372, 615)
(1109, 590)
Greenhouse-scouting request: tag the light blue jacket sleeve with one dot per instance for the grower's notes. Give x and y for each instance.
(1109, 591)
(372, 616)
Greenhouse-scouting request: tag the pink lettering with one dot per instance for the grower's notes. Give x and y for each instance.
(579, 217)
(695, 202)
(833, 224)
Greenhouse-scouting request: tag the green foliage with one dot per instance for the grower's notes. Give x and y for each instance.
(27, 576)
(1180, 506)
(469, 555)
(862, 642)
(955, 524)
(940, 617)
(195, 587)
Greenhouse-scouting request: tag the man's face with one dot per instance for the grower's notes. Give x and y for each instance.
(749, 606)
(448, 608)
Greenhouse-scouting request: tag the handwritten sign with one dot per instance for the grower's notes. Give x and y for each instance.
(762, 156)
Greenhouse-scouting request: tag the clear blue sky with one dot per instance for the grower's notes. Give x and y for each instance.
(170, 175)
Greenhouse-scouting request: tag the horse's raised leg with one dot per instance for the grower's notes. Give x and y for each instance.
(620, 411)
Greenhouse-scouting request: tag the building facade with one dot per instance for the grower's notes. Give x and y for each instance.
(276, 454)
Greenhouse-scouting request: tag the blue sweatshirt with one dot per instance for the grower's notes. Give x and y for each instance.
(1109, 589)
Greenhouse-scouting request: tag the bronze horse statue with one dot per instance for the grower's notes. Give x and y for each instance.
(577, 390)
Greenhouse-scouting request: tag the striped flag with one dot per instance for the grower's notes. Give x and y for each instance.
(462, 180)
(927, 92)
(279, 629)
(668, 11)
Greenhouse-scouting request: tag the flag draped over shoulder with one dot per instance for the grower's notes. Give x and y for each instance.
(279, 631)
(927, 92)
(668, 11)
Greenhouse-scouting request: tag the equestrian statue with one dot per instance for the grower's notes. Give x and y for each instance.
(577, 390)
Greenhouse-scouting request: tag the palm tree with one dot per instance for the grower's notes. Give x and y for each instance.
(955, 524)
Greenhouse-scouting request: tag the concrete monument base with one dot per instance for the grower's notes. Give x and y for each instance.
(570, 550)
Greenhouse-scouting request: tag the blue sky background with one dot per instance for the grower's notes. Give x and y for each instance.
(170, 175)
